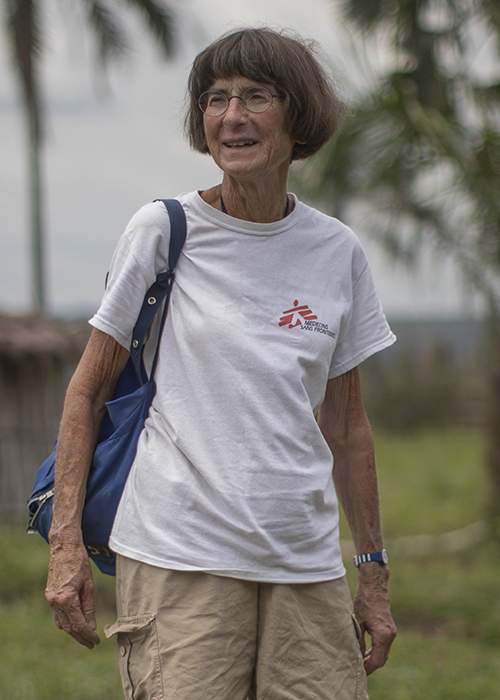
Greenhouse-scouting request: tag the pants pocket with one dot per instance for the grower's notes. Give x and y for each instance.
(357, 629)
(361, 692)
(139, 656)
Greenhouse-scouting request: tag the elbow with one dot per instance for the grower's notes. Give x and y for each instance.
(83, 402)
(350, 436)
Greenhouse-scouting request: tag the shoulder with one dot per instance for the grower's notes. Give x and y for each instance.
(153, 218)
(339, 240)
(328, 227)
(145, 239)
(150, 216)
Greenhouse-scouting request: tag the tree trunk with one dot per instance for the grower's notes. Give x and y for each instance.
(38, 296)
(493, 421)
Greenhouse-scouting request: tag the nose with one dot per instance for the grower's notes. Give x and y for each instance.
(236, 111)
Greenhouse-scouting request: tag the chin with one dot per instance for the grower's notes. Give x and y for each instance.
(241, 170)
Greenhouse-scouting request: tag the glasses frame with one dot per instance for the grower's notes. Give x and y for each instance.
(239, 97)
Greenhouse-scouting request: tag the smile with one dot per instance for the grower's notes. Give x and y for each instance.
(239, 144)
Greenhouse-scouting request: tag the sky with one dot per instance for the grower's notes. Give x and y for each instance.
(107, 152)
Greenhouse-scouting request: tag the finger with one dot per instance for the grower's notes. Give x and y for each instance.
(88, 608)
(70, 617)
(82, 640)
(63, 624)
(79, 627)
(360, 634)
(60, 619)
(371, 664)
(377, 656)
(87, 603)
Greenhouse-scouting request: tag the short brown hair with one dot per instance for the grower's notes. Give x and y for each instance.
(288, 63)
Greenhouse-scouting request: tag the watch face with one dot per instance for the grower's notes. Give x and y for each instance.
(385, 556)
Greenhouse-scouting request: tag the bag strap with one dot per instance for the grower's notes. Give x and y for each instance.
(159, 291)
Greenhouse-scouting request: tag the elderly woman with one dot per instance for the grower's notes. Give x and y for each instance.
(230, 582)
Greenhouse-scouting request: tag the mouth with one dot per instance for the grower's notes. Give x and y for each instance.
(239, 145)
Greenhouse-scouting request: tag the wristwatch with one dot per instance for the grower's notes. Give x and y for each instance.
(381, 557)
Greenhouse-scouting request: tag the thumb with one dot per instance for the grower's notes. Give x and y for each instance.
(88, 603)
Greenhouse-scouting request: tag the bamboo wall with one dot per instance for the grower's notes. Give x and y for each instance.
(33, 380)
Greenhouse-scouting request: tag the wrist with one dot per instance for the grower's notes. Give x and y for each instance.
(379, 556)
(65, 535)
(373, 575)
(371, 569)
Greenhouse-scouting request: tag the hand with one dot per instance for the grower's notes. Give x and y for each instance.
(372, 610)
(70, 592)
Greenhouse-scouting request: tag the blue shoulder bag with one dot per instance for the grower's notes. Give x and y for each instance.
(121, 425)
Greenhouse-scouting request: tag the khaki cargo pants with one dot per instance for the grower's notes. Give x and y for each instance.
(185, 635)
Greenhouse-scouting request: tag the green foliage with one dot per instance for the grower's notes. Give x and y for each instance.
(405, 395)
(420, 149)
(447, 607)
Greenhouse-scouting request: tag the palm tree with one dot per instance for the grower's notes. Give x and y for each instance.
(24, 22)
(420, 149)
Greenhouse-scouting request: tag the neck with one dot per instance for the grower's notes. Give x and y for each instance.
(250, 201)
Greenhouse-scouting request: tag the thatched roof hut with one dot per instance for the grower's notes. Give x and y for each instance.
(31, 335)
(37, 358)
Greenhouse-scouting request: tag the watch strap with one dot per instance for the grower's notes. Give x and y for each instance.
(381, 557)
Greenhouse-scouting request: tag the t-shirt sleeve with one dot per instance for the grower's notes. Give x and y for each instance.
(364, 329)
(141, 253)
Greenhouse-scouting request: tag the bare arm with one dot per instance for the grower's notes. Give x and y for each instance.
(69, 589)
(345, 426)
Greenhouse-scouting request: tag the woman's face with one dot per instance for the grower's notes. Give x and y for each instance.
(271, 147)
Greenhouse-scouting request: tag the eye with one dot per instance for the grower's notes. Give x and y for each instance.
(216, 99)
(257, 97)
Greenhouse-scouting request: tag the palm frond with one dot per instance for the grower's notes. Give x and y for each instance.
(111, 38)
(421, 151)
(159, 19)
(367, 15)
(490, 9)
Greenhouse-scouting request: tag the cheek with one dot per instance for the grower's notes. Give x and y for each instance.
(280, 138)
(209, 131)
(280, 145)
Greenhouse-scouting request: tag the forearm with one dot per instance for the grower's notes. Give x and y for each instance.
(90, 387)
(76, 441)
(345, 426)
(70, 590)
(355, 480)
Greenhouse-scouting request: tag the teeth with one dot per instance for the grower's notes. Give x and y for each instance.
(240, 143)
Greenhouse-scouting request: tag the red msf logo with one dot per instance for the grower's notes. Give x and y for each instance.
(304, 311)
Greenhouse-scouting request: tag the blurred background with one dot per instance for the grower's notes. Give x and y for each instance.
(91, 116)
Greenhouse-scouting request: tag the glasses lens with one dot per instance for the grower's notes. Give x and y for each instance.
(213, 103)
(257, 99)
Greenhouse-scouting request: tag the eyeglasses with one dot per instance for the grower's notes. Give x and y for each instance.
(215, 103)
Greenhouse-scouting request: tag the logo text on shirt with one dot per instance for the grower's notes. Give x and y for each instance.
(301, 316)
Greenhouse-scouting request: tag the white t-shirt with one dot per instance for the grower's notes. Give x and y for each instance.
(232, 474)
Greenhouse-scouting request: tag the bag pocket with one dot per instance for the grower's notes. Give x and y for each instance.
(139, 656)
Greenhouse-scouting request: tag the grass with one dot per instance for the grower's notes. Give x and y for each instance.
(447, 608)
(430, 482)
(40, 662)
(437, 667)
